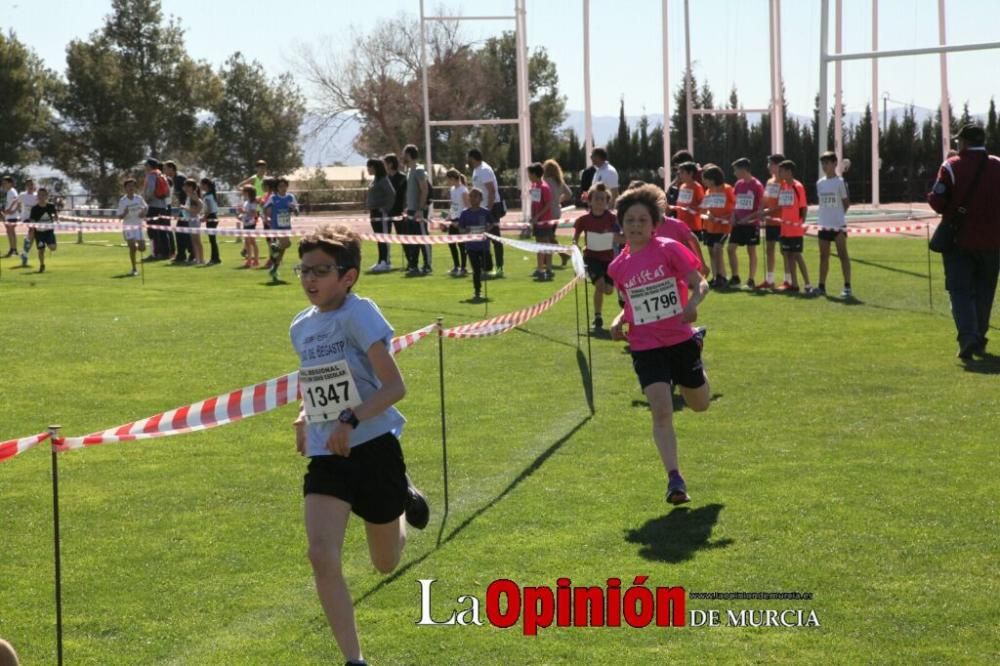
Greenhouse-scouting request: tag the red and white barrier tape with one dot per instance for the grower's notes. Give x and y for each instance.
(509, 321)
(213, 412)
(576, 256)
(13, 447)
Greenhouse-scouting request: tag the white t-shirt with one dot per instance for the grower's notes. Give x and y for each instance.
(482, 175)
(608, 175)
(457, 202)
(10, 203)
(131, 210)
(28, 201)
(831, 192)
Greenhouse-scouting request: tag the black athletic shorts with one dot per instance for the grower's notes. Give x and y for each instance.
(772, 234)
(545, 234)
(45, 238)
(372, 479)
(791, 243)
(829, 234)
(745, 234)
(712, 240)
(597, 269)
(680, 364)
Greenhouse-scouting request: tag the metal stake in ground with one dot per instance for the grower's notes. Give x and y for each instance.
(590, 359)
(576, 296)
(930, 290)
(54, 434)
(444, 426)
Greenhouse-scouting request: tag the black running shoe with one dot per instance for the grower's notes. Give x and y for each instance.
(418, 513)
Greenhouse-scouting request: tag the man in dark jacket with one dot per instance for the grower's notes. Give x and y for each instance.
(971, 270)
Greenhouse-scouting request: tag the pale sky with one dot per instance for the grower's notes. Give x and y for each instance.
(728, 42)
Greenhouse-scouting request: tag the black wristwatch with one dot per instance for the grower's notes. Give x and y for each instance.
(349, 417)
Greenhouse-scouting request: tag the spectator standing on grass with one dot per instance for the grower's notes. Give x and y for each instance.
(10, 216)
(417, 196)
(182, 241)
(195, 209)
(210, 199)
(257, 180)
(604, 172)
(971, 180)
(484, 178)
(156, 194)
(542, 223)
(458, 195)
(379, 201)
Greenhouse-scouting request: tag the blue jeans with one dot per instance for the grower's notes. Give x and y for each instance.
(970, 276)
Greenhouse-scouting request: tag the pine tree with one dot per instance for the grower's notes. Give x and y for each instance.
(992, 129)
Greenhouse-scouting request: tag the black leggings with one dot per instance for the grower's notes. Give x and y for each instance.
(457, 249)
(497, 249)
(380, 225)
(477, 259)
(212, 222)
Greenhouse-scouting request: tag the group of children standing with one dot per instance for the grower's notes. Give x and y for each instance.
(731, 216)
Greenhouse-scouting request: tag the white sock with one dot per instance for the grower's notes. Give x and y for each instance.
(788, 278)
(770, 278)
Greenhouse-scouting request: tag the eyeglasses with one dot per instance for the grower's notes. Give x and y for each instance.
(319, 270)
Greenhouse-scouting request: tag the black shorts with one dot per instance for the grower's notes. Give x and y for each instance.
(791, 243)
(745, 234)
(372, 479)
(711, 240)
(597, 269)
(829, 234)
(45, 238)
(545, 234)
(772, 234)
(680, 364)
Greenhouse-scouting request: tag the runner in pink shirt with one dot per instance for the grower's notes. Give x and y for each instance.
(655, 276)
(674, 229)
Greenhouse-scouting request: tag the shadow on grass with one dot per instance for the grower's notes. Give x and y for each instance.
(532, 467)
(476, 300)
(274, 283)
(676, 536)
(557, 341)
(884, 267)
(847, 300)
(123, 276)
(986, 366)
(677, 400)
(586, 377)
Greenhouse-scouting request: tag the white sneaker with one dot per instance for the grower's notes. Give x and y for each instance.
(134, 273)
(380, 267)
(846, 293)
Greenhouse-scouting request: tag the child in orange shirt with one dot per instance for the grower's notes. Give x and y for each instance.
(769, 211)
(689, 198)
(718, 206)
(793, 204)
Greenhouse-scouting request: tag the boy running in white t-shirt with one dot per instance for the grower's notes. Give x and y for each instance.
(833, 205)
(27, 201)
(348, 425)
(132, 209)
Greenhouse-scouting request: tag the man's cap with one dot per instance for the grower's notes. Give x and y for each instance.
(972, 133)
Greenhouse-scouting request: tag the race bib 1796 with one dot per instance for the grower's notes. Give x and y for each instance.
(655, 301)
(327, 390)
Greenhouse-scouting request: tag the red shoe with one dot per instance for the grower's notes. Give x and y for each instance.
(789, 288)
(248, 263)
(765, 285)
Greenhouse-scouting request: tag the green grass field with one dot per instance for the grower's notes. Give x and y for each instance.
(846, 454)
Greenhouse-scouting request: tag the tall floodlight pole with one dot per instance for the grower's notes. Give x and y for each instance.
(588, 121)
(427, 106)
(838, 93)
(524, 105)
(945, 99)
(874, 107)
(688, 79)
(822, 139)
(778, 115)
(666, 99)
